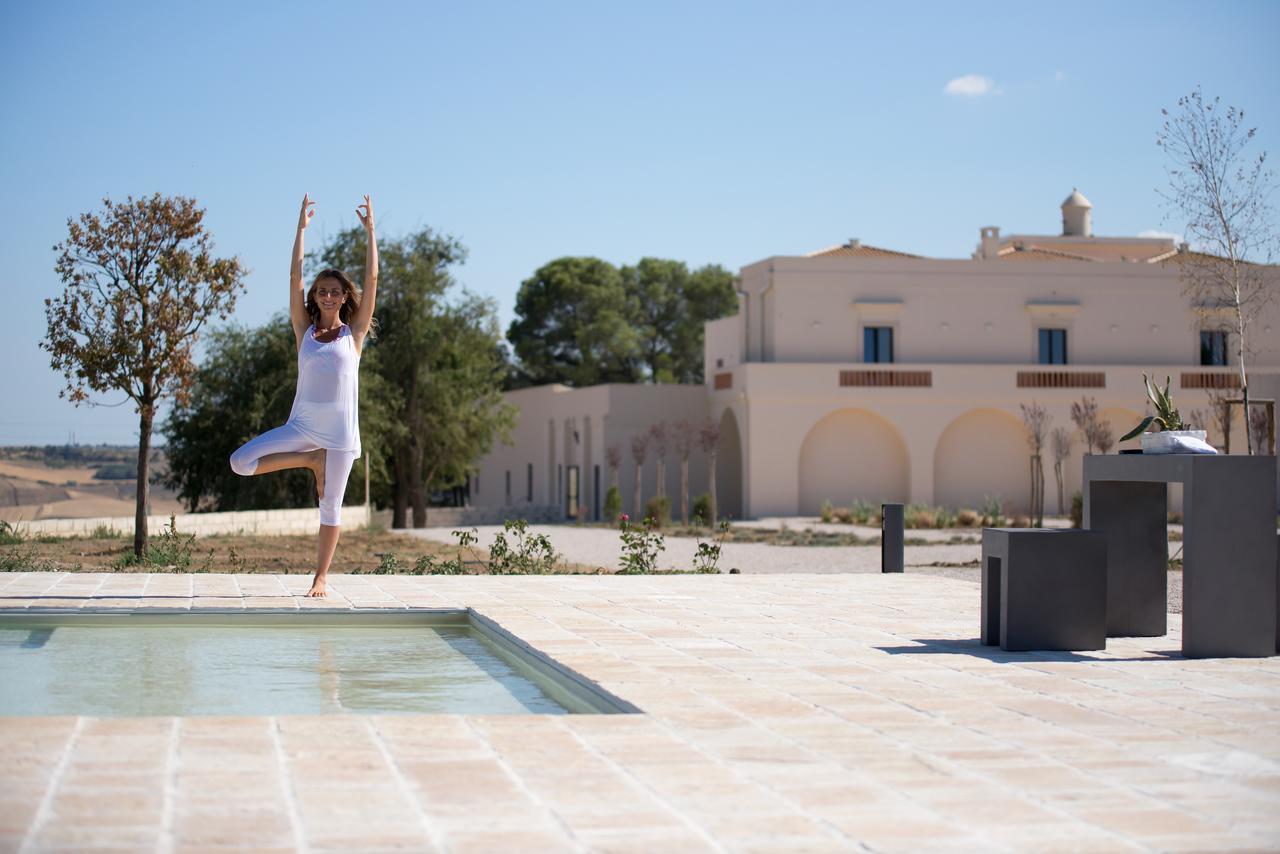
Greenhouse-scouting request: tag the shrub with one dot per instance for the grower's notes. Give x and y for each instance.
(843, 515)
(10, 534)
(967, 518)
(917, 516)
(702, 507)
(528, 554)
(708, 556)
(863, 513)
(640, 547)
(105, 532)
(1077, 510)
(1020, 522)
(826, 511)
(658, 508)
(944, 518)
(169, 549)
(612, 504)
(388, 565)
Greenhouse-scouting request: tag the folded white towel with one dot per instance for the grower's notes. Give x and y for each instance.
(1182, 445)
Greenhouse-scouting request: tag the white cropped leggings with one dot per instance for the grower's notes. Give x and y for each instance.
(287, 438)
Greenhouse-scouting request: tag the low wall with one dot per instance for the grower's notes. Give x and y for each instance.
(455, 517)
(302, 520)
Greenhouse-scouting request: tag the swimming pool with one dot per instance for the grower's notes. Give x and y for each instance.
(275, 663)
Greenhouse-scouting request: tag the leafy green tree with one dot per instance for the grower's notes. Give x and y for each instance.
(443, 358)
(581, 322)
(244, 387)
(574, 325)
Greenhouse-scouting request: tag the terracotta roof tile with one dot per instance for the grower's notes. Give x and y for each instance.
(859, 250)
(1038, 253)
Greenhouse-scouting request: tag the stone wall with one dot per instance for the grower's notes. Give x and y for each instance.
(303, 520)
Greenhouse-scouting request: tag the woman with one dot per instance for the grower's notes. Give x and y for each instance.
(330, 322)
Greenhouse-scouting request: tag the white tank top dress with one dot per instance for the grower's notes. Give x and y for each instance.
(326, 406)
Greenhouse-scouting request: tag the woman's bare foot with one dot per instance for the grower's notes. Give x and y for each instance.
(318, 458)
(317, 588)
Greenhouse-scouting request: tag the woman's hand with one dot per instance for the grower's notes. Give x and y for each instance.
(366, 219)
(305, 215)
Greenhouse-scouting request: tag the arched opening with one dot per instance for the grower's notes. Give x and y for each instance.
(729, 468)
(852, 455)
(984, 455)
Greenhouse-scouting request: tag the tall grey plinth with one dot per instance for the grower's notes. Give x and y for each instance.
(1228, 547)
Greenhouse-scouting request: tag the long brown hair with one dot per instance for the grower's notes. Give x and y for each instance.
(349, 305)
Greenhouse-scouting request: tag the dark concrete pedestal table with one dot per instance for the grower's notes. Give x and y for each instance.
(1228, 547)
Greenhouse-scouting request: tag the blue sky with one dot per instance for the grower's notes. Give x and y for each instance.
(706, 132)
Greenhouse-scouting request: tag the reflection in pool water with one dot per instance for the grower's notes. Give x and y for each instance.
(111, 670)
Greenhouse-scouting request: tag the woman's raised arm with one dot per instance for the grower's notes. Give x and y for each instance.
(297, 291)
(364, 315)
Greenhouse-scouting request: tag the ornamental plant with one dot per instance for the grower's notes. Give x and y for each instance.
(1166, 417)
(640, 546)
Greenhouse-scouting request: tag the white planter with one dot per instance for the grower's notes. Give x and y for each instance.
(1166, 441)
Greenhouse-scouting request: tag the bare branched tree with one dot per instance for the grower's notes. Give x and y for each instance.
(660, 441)
(685, 437)
(708, 441)
(1223, 191)
(1084, 414)
(613, 459)
(1222, 413)
(1036, 420)
(639, 452)
(1060, 443)
(1104, 438)
(141, 281)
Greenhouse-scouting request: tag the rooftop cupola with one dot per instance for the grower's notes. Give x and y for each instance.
(1076, 216)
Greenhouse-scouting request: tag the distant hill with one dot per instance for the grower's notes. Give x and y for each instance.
(76, 481)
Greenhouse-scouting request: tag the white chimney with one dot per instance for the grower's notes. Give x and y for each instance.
(990, 241)
(1076, 216)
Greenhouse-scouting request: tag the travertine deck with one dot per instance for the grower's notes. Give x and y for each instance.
(782, 712)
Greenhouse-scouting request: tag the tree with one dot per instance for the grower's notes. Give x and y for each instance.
(685, 437)
(1223, 192)
(442, 356)
(1222, 413)
(613, 459)
(669, 306)
(639, 450)
(581, 321)
(1084, 415)
(1060, 444)
(660, 439)
(708, 442)
(573, 325)
(141, 281)
(1036, 420)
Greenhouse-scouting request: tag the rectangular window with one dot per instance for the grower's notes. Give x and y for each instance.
(1053, 346)
(571, 494)
(529, 497)
(595, 493)
(508, 486)
(1213, 347)
(877, 344)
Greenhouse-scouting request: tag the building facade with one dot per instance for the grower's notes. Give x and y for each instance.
(859, 373)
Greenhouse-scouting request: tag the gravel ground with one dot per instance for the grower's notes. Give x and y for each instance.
(601, 547)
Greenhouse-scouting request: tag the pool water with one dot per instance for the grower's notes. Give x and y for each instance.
(129, 667)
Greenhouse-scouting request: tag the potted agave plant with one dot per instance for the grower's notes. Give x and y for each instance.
(1171, 436)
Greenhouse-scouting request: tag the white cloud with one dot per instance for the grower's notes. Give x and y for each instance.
(1059, 76)
(971, 85)
(1155, 232)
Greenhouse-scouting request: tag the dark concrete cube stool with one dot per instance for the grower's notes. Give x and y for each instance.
(1044, 588)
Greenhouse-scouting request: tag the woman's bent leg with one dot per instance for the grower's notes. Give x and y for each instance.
(283, 447)
(286, 442)
(337, 470)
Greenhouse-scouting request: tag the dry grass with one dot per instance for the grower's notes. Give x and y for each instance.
(359, 551)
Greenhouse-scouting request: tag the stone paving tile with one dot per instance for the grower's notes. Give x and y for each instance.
(785, 712)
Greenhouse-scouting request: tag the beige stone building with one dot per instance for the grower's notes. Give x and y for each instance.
(860, 373)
